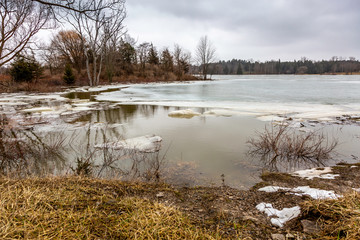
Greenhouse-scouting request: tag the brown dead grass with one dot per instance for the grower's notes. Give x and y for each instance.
(339, 219)
(76, 208)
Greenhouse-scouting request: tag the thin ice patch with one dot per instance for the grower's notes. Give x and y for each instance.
(279, 217)
(148, 144)
(38, 109)
(187, 113)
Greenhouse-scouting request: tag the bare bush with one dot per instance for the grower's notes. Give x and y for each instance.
(282, 144)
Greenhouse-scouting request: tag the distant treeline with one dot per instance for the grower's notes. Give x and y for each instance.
(303, 66)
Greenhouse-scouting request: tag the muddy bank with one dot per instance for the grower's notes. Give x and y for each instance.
(235, 212)
(220, 212)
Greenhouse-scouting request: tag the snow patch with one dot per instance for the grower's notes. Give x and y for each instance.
(279, 217)
(315, 193)
(316, 173)
(304, 190)
(272, 189)
(147, 144)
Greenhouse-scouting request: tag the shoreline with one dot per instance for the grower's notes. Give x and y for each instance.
(212, 212)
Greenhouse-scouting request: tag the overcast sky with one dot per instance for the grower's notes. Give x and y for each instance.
(245, 29)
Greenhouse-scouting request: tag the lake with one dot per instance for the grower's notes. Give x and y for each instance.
(210, 146)
(232, 109)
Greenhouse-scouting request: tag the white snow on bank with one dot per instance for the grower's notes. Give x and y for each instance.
(303, 190)
(315, 193)
(147, 144)
(187, 113)
(316, 173)
(279, 217)
(272, 189)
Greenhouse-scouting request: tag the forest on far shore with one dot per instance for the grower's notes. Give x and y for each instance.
(335, 65)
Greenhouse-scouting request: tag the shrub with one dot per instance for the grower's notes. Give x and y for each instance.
(281, 144)
(25, 69)
(68, 77)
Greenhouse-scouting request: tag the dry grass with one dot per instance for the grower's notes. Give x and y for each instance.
(339, 219)
(76, 208)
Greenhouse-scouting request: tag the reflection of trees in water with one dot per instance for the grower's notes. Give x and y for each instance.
(123, 113)
(26, 152)
(94, 153)
(110, 126)
(23, 152)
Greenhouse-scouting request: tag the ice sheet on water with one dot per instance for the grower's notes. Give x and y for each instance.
(270, 118)
(147, 143)
(186, 113)
(223, 112)
(37, 109)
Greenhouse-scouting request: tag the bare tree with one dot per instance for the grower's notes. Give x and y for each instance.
(142, 54)
(182, 61)
(20, 21)
(112, 55)
(205, 55)
(96, 28)
(51, 58)
(68, 45)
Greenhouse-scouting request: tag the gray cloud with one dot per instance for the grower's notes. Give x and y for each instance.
(259, 29)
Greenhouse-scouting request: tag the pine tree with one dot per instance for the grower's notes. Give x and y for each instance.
(25, 69)
(69, 77)
(239, 70)
(153, 56)
(167, 61)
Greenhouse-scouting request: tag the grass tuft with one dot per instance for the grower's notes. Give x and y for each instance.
(339, 219)
(77, 208)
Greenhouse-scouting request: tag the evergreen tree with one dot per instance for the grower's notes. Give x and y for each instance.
(153, 56)
(167, 61)
(226, 69)
(25, 69)
(239, 70)
(68, 77)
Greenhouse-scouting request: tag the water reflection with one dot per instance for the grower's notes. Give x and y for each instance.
(198, 151)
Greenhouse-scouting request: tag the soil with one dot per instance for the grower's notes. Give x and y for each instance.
(234, 211)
